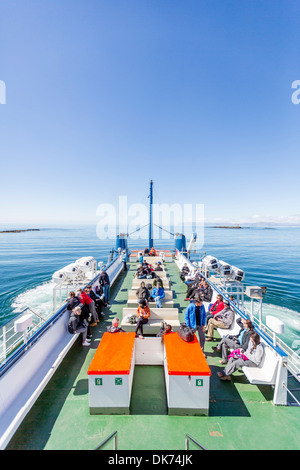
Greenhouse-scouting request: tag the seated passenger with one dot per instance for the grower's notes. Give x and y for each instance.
(150, 274)
(252, 357)
(215, 308)
(146, 252)
(184, 272)
(195, 289)
(99, 301)
(165, 329)
(223, 320)
(158, 266)
(241, 340)
(153, 252)
(143, 314)
(157, 281)
(194, 276)
(73, 301)
(143, 293)
(86, 300)
(141, 272)
(207, 292)
(75, 325)
(158, 295)
(114, 328)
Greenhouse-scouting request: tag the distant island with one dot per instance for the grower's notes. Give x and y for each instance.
(227, 226)
(19, 231)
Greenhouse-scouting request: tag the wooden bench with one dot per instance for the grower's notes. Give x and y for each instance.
(157, 315)
(272, 371)
(132, 294)
(166, 303)
(266, 372)
(161, 274)
(153, 259)
(136, 283)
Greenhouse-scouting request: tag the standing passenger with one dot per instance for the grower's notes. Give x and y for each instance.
(195, 317)
(105, 283)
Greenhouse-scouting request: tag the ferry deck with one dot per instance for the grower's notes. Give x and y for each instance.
(241, 415)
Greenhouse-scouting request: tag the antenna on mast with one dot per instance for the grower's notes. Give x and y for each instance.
(150, 217)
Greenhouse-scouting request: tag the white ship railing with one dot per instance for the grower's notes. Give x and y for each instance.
(10, 340)
(29, 365)
(293, 358)
(13, 343)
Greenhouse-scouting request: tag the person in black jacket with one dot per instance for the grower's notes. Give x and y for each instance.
(206, 293)
(73, 301)
(99, 301)
(184, 272)
(240, 340)
(75, 325)
(105, 283)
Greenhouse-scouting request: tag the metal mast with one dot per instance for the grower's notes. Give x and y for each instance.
(151, 221)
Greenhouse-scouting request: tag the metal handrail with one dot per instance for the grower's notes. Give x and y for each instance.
(190, 438)
(297, 402)
(18, 346)
(293, 359)
(113, 435)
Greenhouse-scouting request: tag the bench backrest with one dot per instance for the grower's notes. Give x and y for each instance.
(136, 283)
(156, 313)
(132, 294)
(269, 361)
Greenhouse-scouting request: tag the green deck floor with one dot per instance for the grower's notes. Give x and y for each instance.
(241, 415)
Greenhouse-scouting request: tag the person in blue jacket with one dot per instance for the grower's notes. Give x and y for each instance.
(195, 317)
(158, 295)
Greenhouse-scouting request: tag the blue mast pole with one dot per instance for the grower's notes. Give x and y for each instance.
(151, 222)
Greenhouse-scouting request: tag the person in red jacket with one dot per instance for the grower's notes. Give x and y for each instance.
(86, 300)
(215, 308)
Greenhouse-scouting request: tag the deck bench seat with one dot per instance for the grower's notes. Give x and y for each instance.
(157, 315)
(233, 330)
(266, 372)
(136, 283)
(132, 294)
(167, 301)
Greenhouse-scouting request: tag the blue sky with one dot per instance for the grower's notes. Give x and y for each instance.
(103, 95)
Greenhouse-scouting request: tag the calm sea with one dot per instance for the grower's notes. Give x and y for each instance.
(269, 256)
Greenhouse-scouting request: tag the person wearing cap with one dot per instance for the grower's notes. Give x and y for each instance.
(223, 319)
(158, 266)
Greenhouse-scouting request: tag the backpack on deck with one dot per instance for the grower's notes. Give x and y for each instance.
(186, 333)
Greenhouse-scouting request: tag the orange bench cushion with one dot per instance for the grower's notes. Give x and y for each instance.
(113, 355)
(185, 358)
